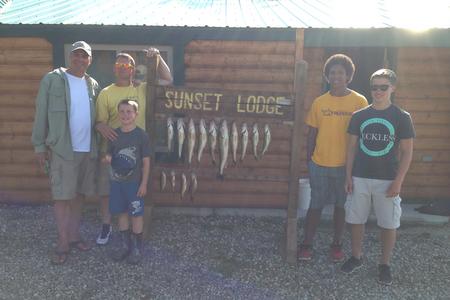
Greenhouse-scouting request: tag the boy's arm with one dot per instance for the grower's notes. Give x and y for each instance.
(351, 151)
(311, 142)
(145, 173)
(406, 151)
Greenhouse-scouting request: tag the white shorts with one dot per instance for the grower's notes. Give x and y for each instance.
(358, 204)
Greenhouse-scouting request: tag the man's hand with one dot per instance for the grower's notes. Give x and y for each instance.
(394, 189)
(151, 52)
(106, 159)
(41, 158)
(349, 185)
(106, 131)
(142, 191)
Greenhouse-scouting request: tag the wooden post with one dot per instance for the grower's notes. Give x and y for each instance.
(150, 124)
(301, 68)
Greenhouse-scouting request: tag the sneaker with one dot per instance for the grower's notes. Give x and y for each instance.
(351, 265)
(103, 237)
(336, 253)
(384, 275)
(305, 252)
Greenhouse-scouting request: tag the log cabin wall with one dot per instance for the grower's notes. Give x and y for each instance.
(23, 62)
(253, 66)
(423, 89)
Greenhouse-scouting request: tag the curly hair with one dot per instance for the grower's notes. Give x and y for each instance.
(339, 59)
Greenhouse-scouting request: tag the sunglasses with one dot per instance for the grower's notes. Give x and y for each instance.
(122, 65)
(381, 87)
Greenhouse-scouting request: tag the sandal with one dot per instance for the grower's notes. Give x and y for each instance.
(80, 245)
(59, 257)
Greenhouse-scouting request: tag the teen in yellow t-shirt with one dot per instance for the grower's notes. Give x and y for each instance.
(326, 149)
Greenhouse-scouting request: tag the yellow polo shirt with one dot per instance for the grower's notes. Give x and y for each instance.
(109, 98)
(331, 115)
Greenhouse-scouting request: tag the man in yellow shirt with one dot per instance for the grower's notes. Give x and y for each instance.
(326, 149)
(107, 119)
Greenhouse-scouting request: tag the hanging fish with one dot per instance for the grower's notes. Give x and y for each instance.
(203, 139)
(180, 131)
(172, 180)
(213, 140)
(169, 134)
(223, 146)
(267, 138)
(191, 139)
(183, 185)
(244, 134)
(234, 141)
(193, 185)
(255, 140)
(163, 180)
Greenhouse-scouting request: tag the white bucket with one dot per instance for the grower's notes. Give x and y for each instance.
(304, 194)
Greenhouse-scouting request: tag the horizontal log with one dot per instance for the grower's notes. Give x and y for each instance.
(25, 114)
(424, 105)
(264, 200)
(206, 186)
(15, 128)
(427, 193)
(427, 168)
(25, 197)
(22, 86)
(420, 80)
(432, 144)
(239, 75)
(423, 68)
(263, 87)
(427, 180)
(26, 57)
(17, 99)
(239, 60)
(252, 47)
(16, 142)
(17, 43)
(429, 118)
(422, 92)
(24, 183)
(23, 71)
(20, 169)
(17, 156)
(432, 131)
(423, 52)
(431, 155)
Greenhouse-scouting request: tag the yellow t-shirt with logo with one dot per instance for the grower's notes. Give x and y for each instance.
(109, 98)
(331, 116)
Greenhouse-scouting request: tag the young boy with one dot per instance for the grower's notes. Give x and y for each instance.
(326, 147)
(378, 156)
(130, 164)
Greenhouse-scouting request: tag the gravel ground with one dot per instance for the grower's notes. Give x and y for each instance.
(215, 257)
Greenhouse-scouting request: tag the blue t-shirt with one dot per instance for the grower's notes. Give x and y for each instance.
(379, 133)
(127, 152)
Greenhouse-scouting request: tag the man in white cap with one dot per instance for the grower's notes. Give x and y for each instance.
(64, 141)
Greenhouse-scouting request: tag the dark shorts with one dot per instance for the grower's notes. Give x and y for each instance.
(123, 198)
(327, 185)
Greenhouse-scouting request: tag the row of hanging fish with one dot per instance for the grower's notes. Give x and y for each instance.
(186, 183)
(217, 136)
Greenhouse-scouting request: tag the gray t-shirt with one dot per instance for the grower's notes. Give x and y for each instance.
(127, 152)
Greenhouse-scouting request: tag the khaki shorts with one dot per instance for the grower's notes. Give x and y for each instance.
(71, 177)
(359, 203)
(103, 172)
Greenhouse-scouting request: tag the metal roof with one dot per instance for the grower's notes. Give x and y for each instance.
(232, 13)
